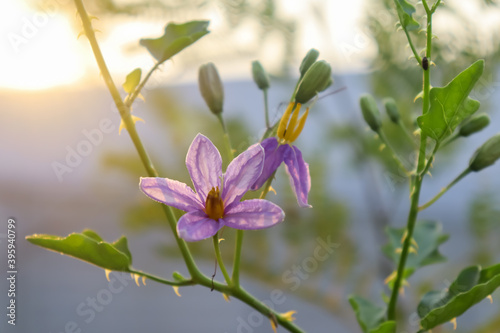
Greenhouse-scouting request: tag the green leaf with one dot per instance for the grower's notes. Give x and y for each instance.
(88, 246)
(132, 80)
(370, 316)
(405, 12)
(176, 38)
(450, 105)
(427, 235)
(472, 285)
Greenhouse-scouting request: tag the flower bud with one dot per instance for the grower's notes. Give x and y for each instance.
(316, 79)
(392, 109)
(259, 75)
(211, 87)
(486, 155)
(370, 112)
(308, 60)
(474, 124)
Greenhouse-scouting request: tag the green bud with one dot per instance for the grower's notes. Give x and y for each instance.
(308, 60)
(211, 87)
(370, 112)
(316, 79)
(392, 109)
(486, 155)
(259, 75)
(474, 124)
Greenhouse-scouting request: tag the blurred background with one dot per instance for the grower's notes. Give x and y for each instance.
(52, 97)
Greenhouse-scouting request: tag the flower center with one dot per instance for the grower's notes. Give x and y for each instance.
(289, 129)
(214, 206)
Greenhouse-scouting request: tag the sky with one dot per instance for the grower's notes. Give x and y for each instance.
(40, 48)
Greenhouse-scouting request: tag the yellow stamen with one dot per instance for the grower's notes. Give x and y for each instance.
(107, 271)
(300, 127)
(214, 206)
(176, 290)
(284, 121)
(293, 120)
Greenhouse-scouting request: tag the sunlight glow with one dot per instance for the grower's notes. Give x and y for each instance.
(40, 49)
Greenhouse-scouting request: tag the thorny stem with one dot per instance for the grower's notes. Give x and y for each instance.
(422, 167)
(162, 280)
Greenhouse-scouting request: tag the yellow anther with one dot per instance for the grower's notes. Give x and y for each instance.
(300, 127)
(214, 206)
(454, 322)
(107, 271)
(176, 290)
(291, 125)
(284, 121)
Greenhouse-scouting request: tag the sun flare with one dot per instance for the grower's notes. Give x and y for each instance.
(40, 50)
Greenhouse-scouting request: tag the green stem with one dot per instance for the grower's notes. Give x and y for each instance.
(130, 126)
(451, 139)
(227, 141)
(415, 53)
(430, 160)
(266, 109)
(219, 258)
(416, 181)
(412, 218)
(162, 280)
(445, 189)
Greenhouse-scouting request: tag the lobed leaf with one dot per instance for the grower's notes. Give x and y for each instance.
(427, 235)
(88, 246)
(132, 80)
(472, 285)
(405, 11)
(176, 38)
(450, 105)
(370, 316)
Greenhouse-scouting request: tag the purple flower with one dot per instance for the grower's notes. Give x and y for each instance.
(216, 202)
(278, 150)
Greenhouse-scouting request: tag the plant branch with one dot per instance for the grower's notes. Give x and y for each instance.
(445, 189)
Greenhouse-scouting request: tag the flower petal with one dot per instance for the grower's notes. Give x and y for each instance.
(274, 155)
(171, 193)
(253, 214)
(195, 226)
(241, 173)
(204, 164)
(298, 171)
